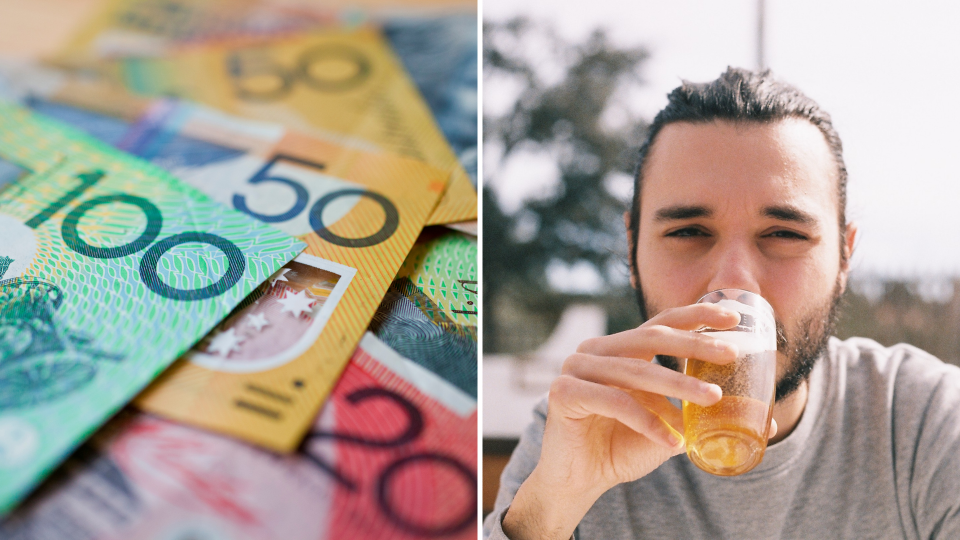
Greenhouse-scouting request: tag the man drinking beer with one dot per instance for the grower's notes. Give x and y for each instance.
(740, 185)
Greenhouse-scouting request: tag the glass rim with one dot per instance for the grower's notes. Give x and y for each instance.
(739, 293)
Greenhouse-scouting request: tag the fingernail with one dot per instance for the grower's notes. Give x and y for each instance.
(723, 346)
(675, 438)
(713, 389)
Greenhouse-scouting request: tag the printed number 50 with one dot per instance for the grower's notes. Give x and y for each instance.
(257, 64)
(390, 224)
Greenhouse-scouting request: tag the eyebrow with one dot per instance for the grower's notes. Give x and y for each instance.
(783, 212)
(672, 213)
(789, 213)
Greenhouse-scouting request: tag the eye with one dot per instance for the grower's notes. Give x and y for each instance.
(789, 235)
(687, 232)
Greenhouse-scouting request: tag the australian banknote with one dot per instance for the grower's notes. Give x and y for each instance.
(431, 310)
(440, 53)
(344, 82)
(439, 50)
(429, 314)
(265, 370)
(156, 27)
(331, 82)
(391, 456)
(111, 269)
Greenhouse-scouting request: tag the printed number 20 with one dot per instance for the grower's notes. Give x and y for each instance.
(390, 224)
(151, 260)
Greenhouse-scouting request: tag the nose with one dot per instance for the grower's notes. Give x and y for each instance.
(735, 265)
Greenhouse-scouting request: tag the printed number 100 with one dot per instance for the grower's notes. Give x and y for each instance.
(151, 260)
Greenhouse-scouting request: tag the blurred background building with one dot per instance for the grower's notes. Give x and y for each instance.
(567, 96)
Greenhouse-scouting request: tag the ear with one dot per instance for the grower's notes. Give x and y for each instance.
(848, 246)
(630, 243)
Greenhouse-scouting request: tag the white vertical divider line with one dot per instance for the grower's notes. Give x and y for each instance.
(480, 275)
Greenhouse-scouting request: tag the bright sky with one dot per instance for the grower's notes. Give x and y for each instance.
(888, 75)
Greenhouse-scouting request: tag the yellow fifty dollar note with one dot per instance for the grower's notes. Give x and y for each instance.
(264, 372)
(344, 84)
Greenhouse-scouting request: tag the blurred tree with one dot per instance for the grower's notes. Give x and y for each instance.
(580, 120)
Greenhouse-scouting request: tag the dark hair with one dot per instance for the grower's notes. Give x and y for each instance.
(739, 95)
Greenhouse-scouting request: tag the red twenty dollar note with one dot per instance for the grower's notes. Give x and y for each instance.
(392, 455)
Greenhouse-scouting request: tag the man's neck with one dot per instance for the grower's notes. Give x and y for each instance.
(788, 411)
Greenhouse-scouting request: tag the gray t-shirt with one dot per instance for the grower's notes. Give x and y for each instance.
(876, 454)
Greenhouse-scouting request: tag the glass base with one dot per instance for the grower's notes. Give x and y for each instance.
(726, 452)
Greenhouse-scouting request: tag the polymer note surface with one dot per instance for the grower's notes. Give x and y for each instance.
(430, 313)
(265, 371)
(360, 212)
(110, 268)
(438, 50)
(393, 455)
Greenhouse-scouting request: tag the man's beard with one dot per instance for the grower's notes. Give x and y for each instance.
(812, 336)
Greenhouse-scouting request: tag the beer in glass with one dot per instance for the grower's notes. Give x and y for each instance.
(730, 437)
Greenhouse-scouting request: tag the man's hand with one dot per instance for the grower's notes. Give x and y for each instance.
(609, 420)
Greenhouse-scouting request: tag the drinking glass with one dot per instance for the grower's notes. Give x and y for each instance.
(730, 437)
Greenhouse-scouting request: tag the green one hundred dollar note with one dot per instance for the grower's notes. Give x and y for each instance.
(429, 314)
(110, 269)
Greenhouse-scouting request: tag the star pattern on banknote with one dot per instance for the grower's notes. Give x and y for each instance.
(257, 321)
(297, 303)
(281, 275)
(225, 342)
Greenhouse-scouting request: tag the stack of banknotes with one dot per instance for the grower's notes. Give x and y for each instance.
(238, 276)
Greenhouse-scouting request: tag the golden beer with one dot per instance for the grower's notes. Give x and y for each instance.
(730, 437)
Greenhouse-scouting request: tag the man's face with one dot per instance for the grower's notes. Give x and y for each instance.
(750, 206)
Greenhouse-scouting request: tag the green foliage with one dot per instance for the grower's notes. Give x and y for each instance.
(578, 120)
